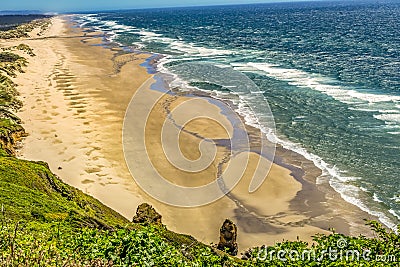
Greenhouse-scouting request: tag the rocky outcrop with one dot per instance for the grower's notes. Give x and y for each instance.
(227, 238)
(9, 138)
(146, 214)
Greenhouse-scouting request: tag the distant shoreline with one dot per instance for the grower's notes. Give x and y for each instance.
(11, 21)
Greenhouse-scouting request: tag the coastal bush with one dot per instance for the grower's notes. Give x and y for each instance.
(21, 47)
(8, 100)
(23, 29)
(10, 125)
(29, 191)
(334, 250)
(38, 243)
(44, 244)
(11, 63)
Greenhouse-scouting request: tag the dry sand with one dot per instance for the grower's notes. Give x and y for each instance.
(75, 96)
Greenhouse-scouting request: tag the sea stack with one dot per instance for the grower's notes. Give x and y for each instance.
(227, 238)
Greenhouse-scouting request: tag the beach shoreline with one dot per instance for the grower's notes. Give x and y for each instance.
(84, 88)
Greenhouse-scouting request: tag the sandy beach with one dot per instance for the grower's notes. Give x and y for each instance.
(66, 123)
(76, 93)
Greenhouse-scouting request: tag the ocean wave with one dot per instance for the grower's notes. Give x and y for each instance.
(355, 99)
(83, 20)
(89, 17)
(177, 45)
(396, 198)
(146, 36)
(319, 83)
(376, 198)
(351, 194)
(390, 118)
(394, 213)
(110, 28)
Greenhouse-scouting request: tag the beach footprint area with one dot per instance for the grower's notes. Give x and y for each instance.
(67, 114)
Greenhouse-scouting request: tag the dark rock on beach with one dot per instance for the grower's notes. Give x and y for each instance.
(227, 238)
(146, 214)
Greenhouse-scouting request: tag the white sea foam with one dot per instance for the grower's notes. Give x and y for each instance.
(351, 194)
(376, 198)
(147, 34)
(90, 17)
(193, 50)
(83, 20)
(120, 28)
(364, 109)
(110, 23)
(396, 198)
(319, 83)
(390, 118)
(322, 84)
(111, 27)
(174, 44)
(394, 213)
(177, 45)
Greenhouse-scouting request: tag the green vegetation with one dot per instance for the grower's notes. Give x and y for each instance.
(11, 63)
(58, 245)
(22, 47)
(30, 192)
(45, 222)
(335, 250)
(39, 243)
(10, 129)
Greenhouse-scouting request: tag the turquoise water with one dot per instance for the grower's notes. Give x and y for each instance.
(330, 72)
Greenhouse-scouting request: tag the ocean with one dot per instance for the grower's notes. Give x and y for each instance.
(330, 72)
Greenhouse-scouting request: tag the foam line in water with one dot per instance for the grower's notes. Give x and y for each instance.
(394, 213)
(322, 84)
(391, 118)
(350, 194)
(318, 83)
(376, 198)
